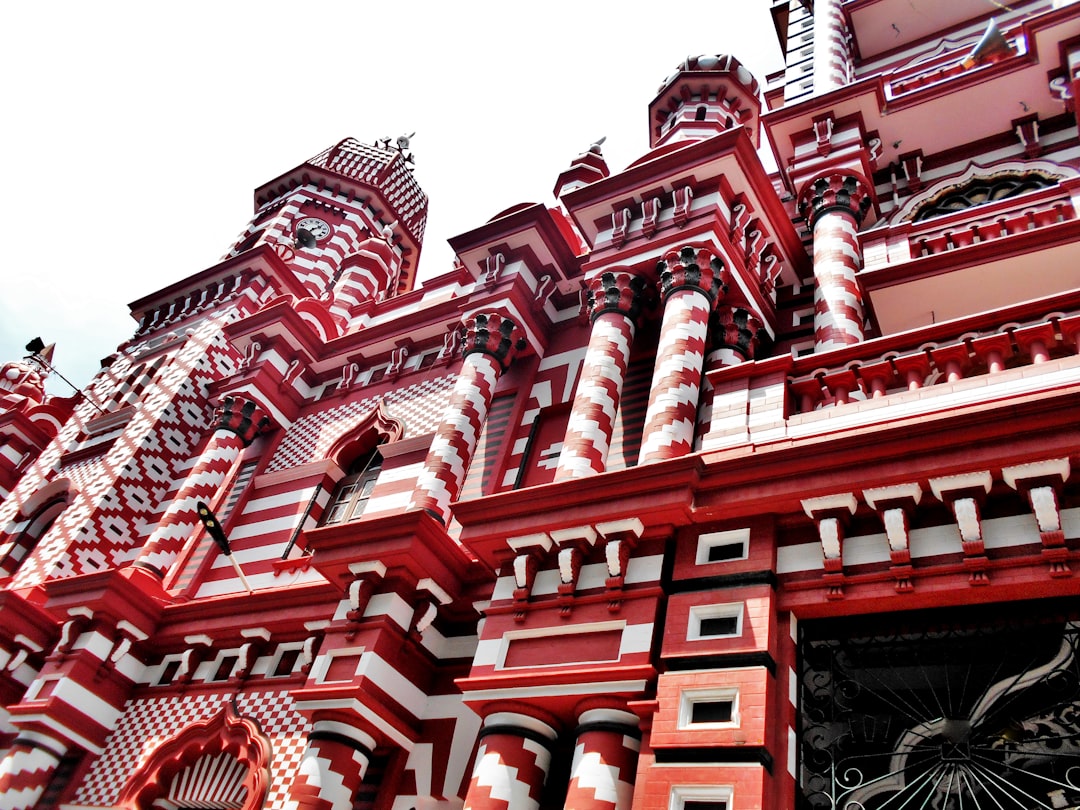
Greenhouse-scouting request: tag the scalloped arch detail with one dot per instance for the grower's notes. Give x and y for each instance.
(222, 737)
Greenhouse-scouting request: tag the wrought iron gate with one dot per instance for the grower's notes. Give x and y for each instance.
(973, 708)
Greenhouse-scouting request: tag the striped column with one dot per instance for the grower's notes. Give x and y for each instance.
(605, 761)
(27, 769)
(365, 276)
(834, 206)
(237, 423)
(492, 341)
(615, 300)
(692, 282)
(332, 769)
(512, 760)
(735, 335)
(832, 53)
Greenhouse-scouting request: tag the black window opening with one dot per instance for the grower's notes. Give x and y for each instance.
(354, 490)
(712, 711)
(727, 551)
(719, 626)
(286, 663)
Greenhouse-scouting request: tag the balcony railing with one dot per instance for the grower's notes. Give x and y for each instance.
(971, 226)
(985, 352)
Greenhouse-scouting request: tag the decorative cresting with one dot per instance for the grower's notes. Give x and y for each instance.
(236, 424)
(692, 281)
(512, 760)
(605, 761)
(834, 205)
(171, 776)
(333, 767)
(492, 340)
(615, 299)
(27, 769)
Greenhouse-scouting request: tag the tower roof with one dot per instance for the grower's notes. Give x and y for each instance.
(384, 169)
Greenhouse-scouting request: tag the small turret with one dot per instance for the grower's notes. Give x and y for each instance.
(586, 168)
(26, 377)
(705, 96)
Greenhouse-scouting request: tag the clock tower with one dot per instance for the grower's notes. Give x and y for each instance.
(322, 212)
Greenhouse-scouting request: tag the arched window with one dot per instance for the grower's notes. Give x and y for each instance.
(979, 190)
(354, 490)
(357, 452)
(40, 510)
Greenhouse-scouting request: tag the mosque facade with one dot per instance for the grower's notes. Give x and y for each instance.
(710, 485)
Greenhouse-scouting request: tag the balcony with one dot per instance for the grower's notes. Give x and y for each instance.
(897, 373)
(974, 260)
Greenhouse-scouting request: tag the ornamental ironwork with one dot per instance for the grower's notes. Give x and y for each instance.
(964, 709)
(979, 191)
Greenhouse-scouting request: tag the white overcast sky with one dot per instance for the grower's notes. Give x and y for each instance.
(135, 132)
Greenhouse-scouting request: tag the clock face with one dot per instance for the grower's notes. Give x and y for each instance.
(315, 226)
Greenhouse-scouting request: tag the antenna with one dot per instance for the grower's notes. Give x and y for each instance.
(36, 347)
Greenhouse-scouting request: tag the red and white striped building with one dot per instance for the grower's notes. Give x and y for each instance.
(708, 485)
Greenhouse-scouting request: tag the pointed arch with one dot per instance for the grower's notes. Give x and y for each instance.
(223, 762)
(375, 427)
(357, 453)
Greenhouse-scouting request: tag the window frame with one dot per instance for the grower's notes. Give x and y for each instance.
(354, 491)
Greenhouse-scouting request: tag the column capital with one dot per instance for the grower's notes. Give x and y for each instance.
(242, 416)
(835, 191)
(495, 334)
(740, 330)
(694, 269)
(617, 291)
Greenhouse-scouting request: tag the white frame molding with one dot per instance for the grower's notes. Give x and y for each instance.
(688, 698)
(681, 794)
(724, 610)
(711, 540)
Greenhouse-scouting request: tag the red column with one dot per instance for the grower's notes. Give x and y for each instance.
(605, 760)
(237, 422)
(491, 343)
(512, 760)
(27, 769)
(834, 206)
(691, 281)
(615, 300)
(333, 767)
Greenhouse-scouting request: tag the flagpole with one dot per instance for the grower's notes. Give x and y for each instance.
(217, 534)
